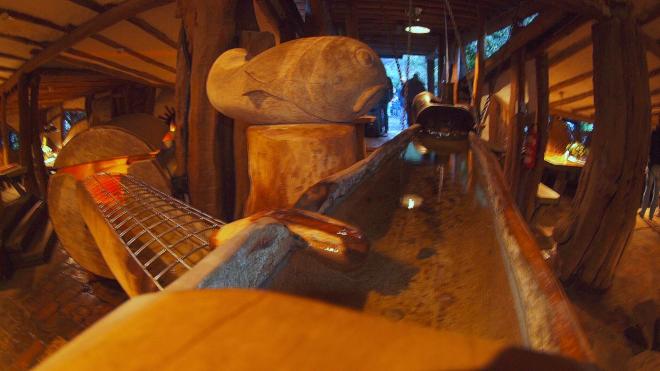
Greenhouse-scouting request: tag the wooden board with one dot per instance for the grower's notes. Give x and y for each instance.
(245, 329)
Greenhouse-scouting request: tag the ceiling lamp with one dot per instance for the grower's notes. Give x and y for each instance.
(416, 15)
(418, 29)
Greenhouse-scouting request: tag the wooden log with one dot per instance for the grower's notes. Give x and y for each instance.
(594, 235)
(285, 160)
(210, 27)
(98, 143)
(529, 187)
(327, 192)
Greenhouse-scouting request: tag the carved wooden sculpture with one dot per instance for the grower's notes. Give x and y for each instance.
(316, 79)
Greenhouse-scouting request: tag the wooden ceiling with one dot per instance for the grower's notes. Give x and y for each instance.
(381, 23)
(142, 47)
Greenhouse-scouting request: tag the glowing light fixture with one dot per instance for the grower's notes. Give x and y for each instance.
(418, 29)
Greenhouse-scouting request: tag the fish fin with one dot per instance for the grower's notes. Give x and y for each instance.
(259, 97)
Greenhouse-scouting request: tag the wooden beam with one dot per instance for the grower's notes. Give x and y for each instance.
(516, 111)
(133, 53)
(155, 80)
(571, 99)
(21, 40)
(571, 81)
(649, 16)
(569, 51)
(139, 22)
(12, 56)
(98, 37)
(7, 69)
(100, 22)
(592, 8)
(570, 115)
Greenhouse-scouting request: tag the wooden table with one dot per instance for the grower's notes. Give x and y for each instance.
(563, 167)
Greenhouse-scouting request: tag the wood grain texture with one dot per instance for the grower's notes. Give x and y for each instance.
(285, 160)
(547, 315)
(315, 79)
(241, 330)
(593, 236)
(210, 29)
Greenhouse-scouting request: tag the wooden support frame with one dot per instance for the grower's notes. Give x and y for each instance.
(139, 22)
(570, 51)
(571, 81)
(98, 37)
(106, 19)
(479, 65)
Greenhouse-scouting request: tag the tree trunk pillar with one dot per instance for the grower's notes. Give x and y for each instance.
(593, 236)
(4, 129)
(210, 28)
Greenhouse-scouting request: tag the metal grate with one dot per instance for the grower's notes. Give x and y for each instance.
(165, 236)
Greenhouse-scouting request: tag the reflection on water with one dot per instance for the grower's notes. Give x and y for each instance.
(434, 259)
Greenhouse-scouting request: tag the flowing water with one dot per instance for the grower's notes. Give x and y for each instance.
(434, 258)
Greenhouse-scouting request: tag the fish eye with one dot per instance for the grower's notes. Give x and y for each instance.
(364, 57)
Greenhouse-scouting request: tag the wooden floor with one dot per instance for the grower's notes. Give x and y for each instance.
(43, 307)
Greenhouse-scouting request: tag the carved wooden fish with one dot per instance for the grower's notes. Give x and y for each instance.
(316, 79)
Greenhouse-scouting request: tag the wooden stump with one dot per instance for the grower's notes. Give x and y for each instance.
(593, 236)
(285, 160)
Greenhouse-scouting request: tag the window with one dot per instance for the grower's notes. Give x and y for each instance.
(493, 42)
(71, 118)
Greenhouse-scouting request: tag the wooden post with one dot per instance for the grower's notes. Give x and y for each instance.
(593, 236)
(529, 187)
(25, 133)
(456, 74)
(352, 22)
(210, 27)
(478, 80)
(319, 22)
(37, 121)
(4, 128)
(182, 101)
(430, 73)
(516, 122)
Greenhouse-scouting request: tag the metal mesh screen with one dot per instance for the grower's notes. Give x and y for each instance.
(165, 236)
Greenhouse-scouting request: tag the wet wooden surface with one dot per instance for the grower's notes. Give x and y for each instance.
(44, 307)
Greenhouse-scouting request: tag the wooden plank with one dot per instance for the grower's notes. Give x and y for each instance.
(147, 76)
(571, 99)
(513, 161)
(106, 71)
(37, 121)
(134, 53)
(571, 81)
(570, 51)
(12, 56)
(25, 131)
(91, 27)
(592, 8)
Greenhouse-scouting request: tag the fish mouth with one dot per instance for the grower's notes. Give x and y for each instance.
(366, 97)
